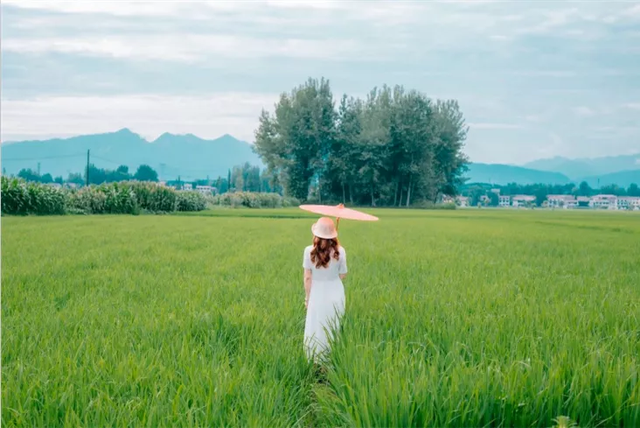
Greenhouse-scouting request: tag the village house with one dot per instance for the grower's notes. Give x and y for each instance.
(523, 200)
(583, 202)
(562, 201)
(504, 201)
(205, 190)
(603, 202)
(628, 203)
(462, 201)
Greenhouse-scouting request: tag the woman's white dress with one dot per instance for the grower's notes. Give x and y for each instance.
(326, 303)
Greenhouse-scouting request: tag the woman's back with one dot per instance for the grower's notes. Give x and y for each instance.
(334, 269)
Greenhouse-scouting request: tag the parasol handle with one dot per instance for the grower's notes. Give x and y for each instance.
(338, 218)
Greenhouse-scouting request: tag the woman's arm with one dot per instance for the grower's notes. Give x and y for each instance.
(343, 276)
(307, 286)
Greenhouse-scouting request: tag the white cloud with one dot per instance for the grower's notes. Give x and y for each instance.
(206, 116)
(187, 47)
(583, 111)
(128, 8)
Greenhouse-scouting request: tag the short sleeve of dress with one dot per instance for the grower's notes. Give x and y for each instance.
(306, 259)
(343, 262)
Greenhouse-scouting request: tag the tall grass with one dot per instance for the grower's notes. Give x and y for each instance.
(458, 318)
(22, 198)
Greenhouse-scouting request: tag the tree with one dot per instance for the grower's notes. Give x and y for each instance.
(584, 189)
(394, 147)
(237, 179)
(613, 189)
(75, 179)
(294, 142)
(145, 173)
(494, 199)
(29, 175)
(633, 190)
(451, 133)
(47, 178)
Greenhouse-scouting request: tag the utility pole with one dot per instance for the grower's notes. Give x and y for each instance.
(88, 156)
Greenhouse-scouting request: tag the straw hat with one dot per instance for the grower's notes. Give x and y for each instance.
(324, 228)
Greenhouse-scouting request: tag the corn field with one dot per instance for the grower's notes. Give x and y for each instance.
(23, 198)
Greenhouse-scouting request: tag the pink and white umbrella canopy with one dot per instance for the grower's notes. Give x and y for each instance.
(339, 212)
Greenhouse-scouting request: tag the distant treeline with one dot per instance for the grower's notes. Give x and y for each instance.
(395, 147)
(96, 175)
(241, 178)
(477, 190)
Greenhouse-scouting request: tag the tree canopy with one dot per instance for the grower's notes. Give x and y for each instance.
(395, 147)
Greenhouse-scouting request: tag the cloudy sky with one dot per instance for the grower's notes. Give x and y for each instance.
(534, 78)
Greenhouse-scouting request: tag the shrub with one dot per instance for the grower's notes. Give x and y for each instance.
(191, 201)
(153, 197)
(87, 200)
(254, 200)
(120, 198)
(428, 205)
(20, 197)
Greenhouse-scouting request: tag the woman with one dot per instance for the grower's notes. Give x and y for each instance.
(325, 266)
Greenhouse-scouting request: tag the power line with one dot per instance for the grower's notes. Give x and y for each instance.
(106, 160)
(41, 158)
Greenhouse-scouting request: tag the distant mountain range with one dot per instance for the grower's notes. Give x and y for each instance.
(597, 172)
(191, 157)
(505, 174)
(187, 156)
(577, 168)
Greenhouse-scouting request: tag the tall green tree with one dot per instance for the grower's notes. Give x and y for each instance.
(295, 141)
(145, 173)
(394, 147)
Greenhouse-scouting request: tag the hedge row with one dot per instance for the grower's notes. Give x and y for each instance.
(20, 198)
(254, 200)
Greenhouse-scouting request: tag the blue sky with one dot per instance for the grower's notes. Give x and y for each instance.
(534, 79)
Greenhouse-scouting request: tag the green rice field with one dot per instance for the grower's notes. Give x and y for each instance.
(466, 318)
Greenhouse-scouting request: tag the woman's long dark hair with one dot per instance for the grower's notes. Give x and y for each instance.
(322, 251)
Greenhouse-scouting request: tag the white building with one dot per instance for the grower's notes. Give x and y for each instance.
(562, 201)
(523, 200)
(504, 200)
(603, 202)
(187, 186)
(463, 201)
(583, 202)
(205, 190)
(628, 203)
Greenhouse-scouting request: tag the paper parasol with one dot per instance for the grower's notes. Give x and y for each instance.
(338, 211)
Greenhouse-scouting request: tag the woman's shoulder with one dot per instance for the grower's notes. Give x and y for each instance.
(308, 248)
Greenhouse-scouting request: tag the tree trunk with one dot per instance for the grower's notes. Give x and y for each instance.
(409, 191)
(373, 201)
(350, 194)
(395, 197)
(344, 194)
